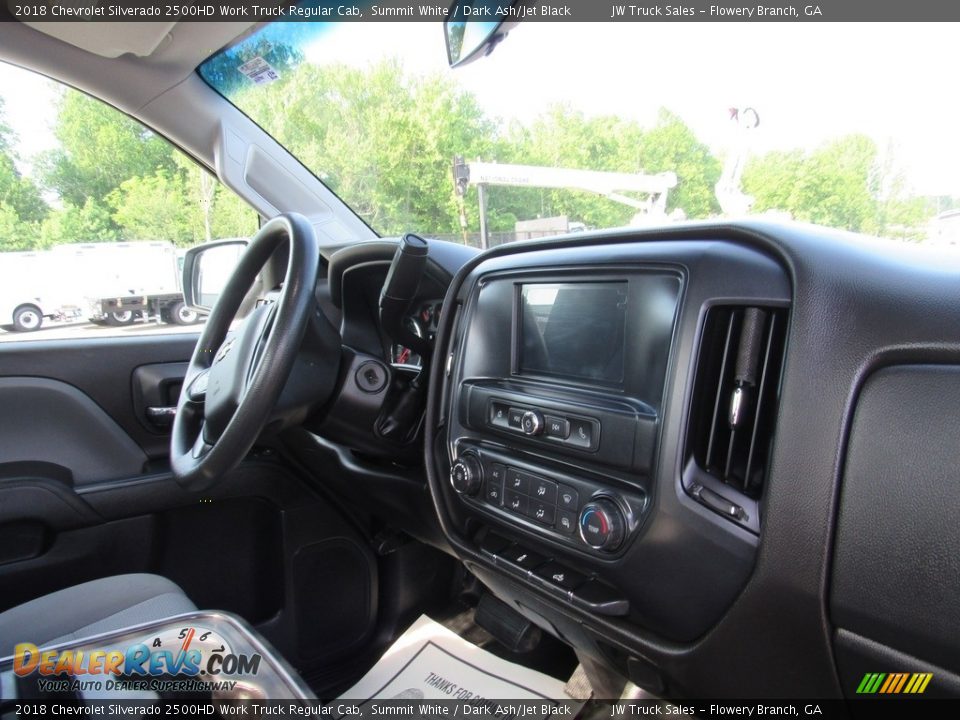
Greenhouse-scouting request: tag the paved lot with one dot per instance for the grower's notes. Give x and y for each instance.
(77, 330)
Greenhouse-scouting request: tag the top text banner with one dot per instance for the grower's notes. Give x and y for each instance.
(549, 11)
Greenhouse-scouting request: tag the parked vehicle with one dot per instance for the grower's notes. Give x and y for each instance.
(31, 290)
(122, 282)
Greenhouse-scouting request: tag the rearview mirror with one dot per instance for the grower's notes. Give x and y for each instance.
(473, 28)
(206, 270)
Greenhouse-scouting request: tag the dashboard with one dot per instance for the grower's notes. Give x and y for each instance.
(661, 447)
(678, 449)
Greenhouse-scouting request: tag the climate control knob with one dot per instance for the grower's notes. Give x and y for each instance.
(602, 525)
(531, 422)
(466, 475)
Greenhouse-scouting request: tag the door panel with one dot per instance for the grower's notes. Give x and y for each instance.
(51, 430)
(85, 492)
(102, 369)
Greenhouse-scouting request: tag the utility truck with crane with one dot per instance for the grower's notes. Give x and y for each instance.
(654, 188)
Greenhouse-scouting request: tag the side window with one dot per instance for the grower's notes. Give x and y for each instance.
(95, 214)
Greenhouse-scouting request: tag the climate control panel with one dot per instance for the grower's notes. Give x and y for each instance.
(586, 513)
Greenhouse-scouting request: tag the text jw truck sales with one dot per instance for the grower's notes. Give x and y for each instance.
(715, 11)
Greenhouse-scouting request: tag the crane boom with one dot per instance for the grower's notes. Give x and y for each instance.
(611, 185)
(596, 181)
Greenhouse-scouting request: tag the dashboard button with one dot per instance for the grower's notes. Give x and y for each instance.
(568, 498)
(523, 558)
(466, 475)
(494, 491)
(516, 502)
(515, 417)
(556, 574)
(499, 414)
(556, 427)
(566, 522)
(498, 472)
(531, 423)
(543, 513)
(518, 482)
(584, 433)
(602, 524)
(543, 490)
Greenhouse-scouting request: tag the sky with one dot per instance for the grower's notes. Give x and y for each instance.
(809, 82)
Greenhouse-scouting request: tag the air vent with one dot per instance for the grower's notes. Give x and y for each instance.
(734, 408)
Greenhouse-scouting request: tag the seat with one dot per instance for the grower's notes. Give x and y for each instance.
(94, 607)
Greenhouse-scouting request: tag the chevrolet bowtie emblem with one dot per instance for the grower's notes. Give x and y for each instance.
(223, 351)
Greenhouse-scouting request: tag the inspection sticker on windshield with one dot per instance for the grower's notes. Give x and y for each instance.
(260, 71)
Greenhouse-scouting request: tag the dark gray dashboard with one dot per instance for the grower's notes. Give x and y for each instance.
(706, 597)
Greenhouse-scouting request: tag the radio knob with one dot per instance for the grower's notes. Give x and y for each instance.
(602, 525)
(531, 422)
(466, 475)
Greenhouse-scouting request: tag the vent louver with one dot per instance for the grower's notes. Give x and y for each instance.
(734, 407)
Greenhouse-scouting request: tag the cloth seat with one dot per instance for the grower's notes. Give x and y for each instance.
(91, 608)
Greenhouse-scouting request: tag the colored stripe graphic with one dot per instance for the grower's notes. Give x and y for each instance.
(894, 683)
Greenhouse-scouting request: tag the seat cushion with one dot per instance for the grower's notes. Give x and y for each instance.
(94, 607)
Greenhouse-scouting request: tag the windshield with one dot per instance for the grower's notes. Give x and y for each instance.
(569, 127)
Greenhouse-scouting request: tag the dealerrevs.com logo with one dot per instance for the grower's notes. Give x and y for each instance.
(894, 683)
(190, 652)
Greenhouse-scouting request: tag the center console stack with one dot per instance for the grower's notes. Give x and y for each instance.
(564, 464)
(563, 384)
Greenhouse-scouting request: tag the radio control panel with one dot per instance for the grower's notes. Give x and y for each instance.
(580, 512)
(574, 431)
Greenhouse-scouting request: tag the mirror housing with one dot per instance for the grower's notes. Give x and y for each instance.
(206, 270)
(474, 27)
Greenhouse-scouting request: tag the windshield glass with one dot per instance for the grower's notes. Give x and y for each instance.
(601, 125)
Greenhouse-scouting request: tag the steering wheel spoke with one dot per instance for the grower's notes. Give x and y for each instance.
(236, 376)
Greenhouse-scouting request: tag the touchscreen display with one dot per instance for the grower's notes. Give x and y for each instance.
(573, 330)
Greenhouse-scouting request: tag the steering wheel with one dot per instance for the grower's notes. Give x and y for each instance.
(236, 376)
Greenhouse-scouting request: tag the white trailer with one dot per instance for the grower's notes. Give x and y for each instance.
(32, 289)
(122, 282)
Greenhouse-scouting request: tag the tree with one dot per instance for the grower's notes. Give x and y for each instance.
(91, 222)
(845, 183)
(381, 140)
(672, 146)
(566, 138)
(11, 230)
(156, 207)
(22, 207)
(20, 193)
(100, 148)
(6, 133)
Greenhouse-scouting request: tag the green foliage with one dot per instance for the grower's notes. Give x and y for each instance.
(672, 145)
(6, 134)
(91, 222)
(20, 193)
(384, 142)
(153, 208)
(115, 181)
(99, 149)
(22, 207)
(843, 184)
(14, 234)
(564, 137)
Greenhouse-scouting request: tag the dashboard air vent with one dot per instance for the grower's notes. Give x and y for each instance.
(734, 407)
